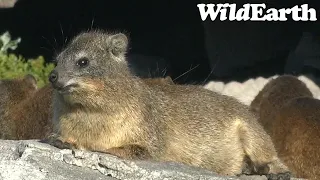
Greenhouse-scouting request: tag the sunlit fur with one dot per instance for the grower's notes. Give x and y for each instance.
(111, 108)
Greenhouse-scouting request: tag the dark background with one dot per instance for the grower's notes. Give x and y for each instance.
(169, 38)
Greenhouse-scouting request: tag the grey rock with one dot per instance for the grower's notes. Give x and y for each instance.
(32, 160)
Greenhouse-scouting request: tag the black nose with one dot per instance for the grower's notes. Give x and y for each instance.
(53, 77)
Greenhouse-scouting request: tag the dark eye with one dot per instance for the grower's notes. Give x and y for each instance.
(83, 62)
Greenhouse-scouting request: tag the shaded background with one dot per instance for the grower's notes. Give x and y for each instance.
(169, 38)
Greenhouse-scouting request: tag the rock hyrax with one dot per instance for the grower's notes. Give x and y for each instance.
(275, 94)
(296, 135)
(12, 92)
(290, 115)
(31, 118)
(26, 116)
(100, 106)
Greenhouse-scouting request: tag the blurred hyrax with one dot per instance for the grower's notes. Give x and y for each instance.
(32, 117)
(12, 92)
(291, 117)
(296, 135)
(275, 94)
(100, 106)
(28, 117)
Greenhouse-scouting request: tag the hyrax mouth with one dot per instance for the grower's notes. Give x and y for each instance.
(67, 89)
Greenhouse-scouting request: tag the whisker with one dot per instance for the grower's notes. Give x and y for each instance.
(186, 72)
(215, 65)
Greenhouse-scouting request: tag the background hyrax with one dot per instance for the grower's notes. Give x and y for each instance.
(275, 94)
(296, 135)
(12, 92)
(26, 109)
(100, 106)
(291, 116)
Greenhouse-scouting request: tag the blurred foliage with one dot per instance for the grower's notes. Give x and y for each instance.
(14, 66)
(6, 42)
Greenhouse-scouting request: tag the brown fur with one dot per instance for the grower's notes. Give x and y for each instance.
(275, 94)
(157, 81)
(291, 116)
(12, 92)
(296, 135)
(118, 113)
(32, 117)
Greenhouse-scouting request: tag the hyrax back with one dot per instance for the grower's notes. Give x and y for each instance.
(158, 81)
(12, 92)
(100, 106)
(296, 135)
(275, 94)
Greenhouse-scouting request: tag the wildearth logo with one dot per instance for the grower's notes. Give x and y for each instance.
(256, 12)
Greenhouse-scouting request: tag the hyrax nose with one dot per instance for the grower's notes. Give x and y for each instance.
(53, 77)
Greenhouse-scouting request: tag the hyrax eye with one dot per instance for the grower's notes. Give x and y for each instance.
(83, 62)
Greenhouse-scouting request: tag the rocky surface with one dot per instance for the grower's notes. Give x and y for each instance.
(32, 160)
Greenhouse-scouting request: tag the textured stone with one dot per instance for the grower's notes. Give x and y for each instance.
(32, 160)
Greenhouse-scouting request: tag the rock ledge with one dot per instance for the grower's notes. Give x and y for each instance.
(32, 160)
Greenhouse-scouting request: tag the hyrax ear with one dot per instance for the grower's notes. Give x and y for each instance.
(30, 79)
(119, 43)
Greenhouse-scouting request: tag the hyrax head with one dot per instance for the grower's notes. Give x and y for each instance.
(89, 56)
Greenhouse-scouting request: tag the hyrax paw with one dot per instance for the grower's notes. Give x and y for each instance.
(133, 152)
(54, 140)
(279, 176)
(261, 170)
(49, 139)
(139, 152)
(62, 145)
